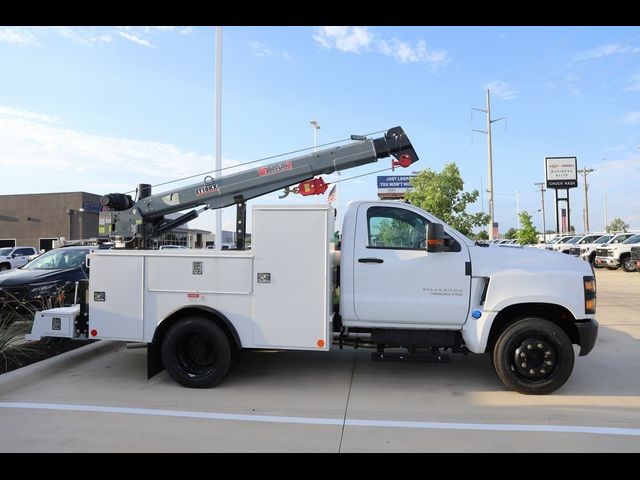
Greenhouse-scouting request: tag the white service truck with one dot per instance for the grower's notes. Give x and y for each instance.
(405, 280)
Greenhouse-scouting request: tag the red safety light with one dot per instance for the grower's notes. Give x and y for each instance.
(404, 161)
(315, 186)
(94, 333)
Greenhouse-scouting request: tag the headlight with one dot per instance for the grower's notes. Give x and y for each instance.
(40, 289)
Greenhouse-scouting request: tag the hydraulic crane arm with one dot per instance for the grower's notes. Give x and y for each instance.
(140, 222)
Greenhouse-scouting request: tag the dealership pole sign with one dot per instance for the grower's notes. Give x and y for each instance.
(561, 172)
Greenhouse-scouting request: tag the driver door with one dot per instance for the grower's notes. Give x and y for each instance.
(397, 282)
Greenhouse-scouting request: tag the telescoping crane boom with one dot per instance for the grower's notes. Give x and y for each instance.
(139, 223)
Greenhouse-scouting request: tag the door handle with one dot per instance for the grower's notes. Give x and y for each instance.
(370, 260)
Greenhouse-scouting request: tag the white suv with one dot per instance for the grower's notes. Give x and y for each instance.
(15, 257)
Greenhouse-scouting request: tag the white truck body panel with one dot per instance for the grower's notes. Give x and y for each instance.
(132, 292)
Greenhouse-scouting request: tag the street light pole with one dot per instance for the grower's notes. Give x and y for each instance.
(518, 207)
(544, 227)
(218, 161)
(606, 220)
(315, 126)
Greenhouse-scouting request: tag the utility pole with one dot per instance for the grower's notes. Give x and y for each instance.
(585, 210)
(487, 111)
(540, 185)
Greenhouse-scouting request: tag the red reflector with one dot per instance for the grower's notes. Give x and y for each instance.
(193, 295)
(94, 333)
(315, 186)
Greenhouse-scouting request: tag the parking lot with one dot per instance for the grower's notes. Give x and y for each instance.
(337, 401)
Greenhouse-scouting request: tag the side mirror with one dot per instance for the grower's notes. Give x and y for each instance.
(14, 255)
(435, 237)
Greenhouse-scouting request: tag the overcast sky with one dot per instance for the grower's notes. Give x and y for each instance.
(101, 109)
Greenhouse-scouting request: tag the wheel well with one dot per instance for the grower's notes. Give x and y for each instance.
(6, 263)
(205, 312)
(554, 313)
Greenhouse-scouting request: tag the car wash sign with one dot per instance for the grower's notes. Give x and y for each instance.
(394, 186)
(561, 172)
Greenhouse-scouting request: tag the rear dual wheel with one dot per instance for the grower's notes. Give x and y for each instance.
(197, 353)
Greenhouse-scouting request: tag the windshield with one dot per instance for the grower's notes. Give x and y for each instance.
(59, 258)
(604, 239)
(574, 240)
(5, 251)
(634, 239)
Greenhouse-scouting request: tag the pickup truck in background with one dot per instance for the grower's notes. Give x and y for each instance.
(15, 257)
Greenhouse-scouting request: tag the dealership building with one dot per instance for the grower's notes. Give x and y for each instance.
(37, 219)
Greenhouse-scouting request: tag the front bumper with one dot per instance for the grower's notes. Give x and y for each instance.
(587, 335)
(607, 261)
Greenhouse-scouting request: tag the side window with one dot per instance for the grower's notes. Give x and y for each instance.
(25, 251)
(396, 228)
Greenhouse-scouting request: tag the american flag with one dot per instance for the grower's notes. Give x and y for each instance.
(332, 194)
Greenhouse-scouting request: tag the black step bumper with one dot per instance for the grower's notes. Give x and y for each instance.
(587, 335)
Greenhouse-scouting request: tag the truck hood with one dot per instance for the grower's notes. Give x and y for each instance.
(487, 261)
(17, 277)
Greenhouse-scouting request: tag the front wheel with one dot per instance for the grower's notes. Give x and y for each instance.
(628, 264)
(533, 356)
(196, 353)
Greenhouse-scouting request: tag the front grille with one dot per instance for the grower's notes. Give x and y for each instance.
(574, 251)
(635, 253)
(603, 252)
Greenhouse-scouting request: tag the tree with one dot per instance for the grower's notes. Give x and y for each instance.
(442, 195)
(482, 235)
(617, 225)
(511, 233)
(527, 232)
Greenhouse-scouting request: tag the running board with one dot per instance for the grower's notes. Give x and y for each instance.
(410, 357)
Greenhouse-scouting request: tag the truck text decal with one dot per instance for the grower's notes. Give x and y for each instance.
(212, 187)
(270, 170)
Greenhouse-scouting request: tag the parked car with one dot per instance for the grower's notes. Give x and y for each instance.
(14, 257)
(45, 282)
(173, 247)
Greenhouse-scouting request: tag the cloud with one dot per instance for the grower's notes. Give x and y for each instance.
(10, 112)
(631, 118)
(606, 51)
(87, 36)
(345, 39)
(634, 83)
(261, 50)
(18, 36)
(405, 53)
(363, 39)
(70, 159)
(502, 90)
(135, 39)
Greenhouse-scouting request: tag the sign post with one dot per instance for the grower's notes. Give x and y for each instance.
(561, 173)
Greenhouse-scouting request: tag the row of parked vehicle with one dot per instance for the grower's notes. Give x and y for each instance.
(610, 250)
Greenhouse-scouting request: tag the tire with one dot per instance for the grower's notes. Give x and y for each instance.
(628, 265)
(196, 353)
(522, 352)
